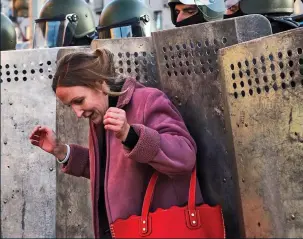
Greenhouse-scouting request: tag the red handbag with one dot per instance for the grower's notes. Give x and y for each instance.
(190, 221)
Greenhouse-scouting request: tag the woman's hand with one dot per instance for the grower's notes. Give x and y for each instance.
(45, 138)
(115, 120)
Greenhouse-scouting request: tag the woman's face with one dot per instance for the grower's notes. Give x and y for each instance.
(85, 102)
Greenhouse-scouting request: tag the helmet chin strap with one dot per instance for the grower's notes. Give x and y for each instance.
(195, 19)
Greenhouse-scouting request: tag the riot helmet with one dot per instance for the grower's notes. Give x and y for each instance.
(196, 11)
(64, 23)
(8, 34)
(268, 7)
(122, 19)
(264, 7)
(279, 13)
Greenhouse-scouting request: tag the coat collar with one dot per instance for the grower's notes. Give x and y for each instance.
(129, 85)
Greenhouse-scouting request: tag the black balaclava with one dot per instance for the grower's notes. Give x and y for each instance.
(238, 13)
(195, 19)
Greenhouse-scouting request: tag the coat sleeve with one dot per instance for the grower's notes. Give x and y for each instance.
(164, 141)
(78, 163)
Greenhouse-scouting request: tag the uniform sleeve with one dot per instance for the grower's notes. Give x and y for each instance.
(164, 141)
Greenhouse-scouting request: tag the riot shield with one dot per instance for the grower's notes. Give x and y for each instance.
(28, 175)
(73, 217)
(263, 87)
(31, 203)
(187, 65)
(134, 57)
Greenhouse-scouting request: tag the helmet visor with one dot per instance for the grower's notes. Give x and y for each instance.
(135, 27)
(54, 32)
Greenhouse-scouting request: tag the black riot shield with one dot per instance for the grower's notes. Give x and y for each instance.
(188, 71)
(263, 85)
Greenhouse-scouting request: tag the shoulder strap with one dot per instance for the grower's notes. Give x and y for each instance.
(150, 192)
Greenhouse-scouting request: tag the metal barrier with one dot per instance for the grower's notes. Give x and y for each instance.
(187, 63)
(74, 213)
(264, 104)
(28, 176)
(182, 62)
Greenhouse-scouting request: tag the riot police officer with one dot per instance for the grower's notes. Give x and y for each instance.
(8, 34)
(279, 13)
(64, 23)
(121, 19)
(187, 12)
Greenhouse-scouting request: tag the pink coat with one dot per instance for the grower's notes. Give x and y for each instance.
(164, 145)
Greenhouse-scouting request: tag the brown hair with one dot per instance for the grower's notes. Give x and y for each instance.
(89, 70)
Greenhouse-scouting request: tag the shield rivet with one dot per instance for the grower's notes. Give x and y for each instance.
(192, 214)
(144, 229)
(194, 222)
(144, 222)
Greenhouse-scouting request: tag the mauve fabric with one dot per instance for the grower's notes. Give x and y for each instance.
(164, 145)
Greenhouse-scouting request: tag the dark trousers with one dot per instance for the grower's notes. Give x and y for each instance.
(107, 235)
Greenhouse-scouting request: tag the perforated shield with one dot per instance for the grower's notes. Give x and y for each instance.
(264, 97)
(28, 175)
(134, 57)
(73, 217)
(187, 64)
(31, 204)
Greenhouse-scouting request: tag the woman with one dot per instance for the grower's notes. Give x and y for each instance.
(134, 130)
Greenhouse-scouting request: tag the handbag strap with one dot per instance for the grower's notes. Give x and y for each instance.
(150, 192)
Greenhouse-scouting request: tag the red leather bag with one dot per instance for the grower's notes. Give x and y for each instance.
(190, 221)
